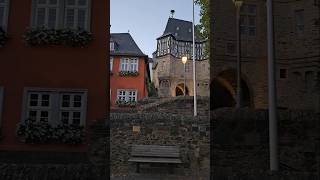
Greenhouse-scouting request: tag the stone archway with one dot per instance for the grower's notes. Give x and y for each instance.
(223, 91)
(179, 90)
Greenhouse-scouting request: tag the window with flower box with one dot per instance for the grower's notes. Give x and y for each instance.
(58, 14)
(55, 106)
(129, 64)
(4, 12)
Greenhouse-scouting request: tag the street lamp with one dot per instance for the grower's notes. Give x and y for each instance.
(238, 4)
(194, 64)
(184, 61)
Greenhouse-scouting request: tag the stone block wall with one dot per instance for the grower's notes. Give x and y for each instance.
(241, 146)
(159, 129)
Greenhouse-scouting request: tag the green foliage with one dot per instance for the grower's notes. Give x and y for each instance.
(3, 37)
(152, 92)
(128, 73)
(123, 103)
(203, 29)
(42, 132)
(67, 37)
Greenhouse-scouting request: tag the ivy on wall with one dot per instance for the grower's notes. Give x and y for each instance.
(3, 37)
(67, 37)
(34, 132)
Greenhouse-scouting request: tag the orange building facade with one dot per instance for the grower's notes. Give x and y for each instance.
(49, 78)
(129, 72)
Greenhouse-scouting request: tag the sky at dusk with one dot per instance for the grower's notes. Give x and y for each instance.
(146, 19)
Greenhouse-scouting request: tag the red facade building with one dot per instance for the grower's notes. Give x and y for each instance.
(129, 71)
(52, 71)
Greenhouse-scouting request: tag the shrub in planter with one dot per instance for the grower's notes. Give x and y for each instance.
(72, 38)
(128, 73)
(31, 131)
(3, 37)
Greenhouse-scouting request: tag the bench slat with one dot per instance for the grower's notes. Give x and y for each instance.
(155, 160)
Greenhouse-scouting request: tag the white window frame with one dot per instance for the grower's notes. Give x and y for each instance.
(127, 64)
(126, 96)
(1, 102)
(39, 108)
(76, 7)
(6, 6)
(47, 6)
(111, 46)
(71, 109)
(55, 104)
(61, 14)
(111, 64)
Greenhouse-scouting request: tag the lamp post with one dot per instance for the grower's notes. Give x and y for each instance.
(238, 4)
(194, 65)
(272, 98)
(184, 61)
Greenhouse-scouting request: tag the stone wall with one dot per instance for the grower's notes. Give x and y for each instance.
(240, 144)
(159, 129)
(296, 53)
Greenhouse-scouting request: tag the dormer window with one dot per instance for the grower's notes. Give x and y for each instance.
(111, 46)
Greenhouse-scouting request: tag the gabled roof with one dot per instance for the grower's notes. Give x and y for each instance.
(180, 29)
(125, 45)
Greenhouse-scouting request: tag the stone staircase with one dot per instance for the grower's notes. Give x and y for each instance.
(177, 105)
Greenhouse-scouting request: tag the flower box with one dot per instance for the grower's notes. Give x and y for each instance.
(34, 132)
(122, 103)
(67, 37)
(128, 73)
(3, 37)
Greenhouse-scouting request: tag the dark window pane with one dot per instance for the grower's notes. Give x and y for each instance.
(70, 2)
(252, 31)
(243, 30)
(82, 2)
(252, 9)
(65, 117)
(77, 101)
(44, 116)
(66, 101)
(76, 114)
(33, 115)
(76, 121)
(45, 100)
(34, 96)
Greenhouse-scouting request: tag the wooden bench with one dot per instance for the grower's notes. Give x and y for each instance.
(169, 155)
